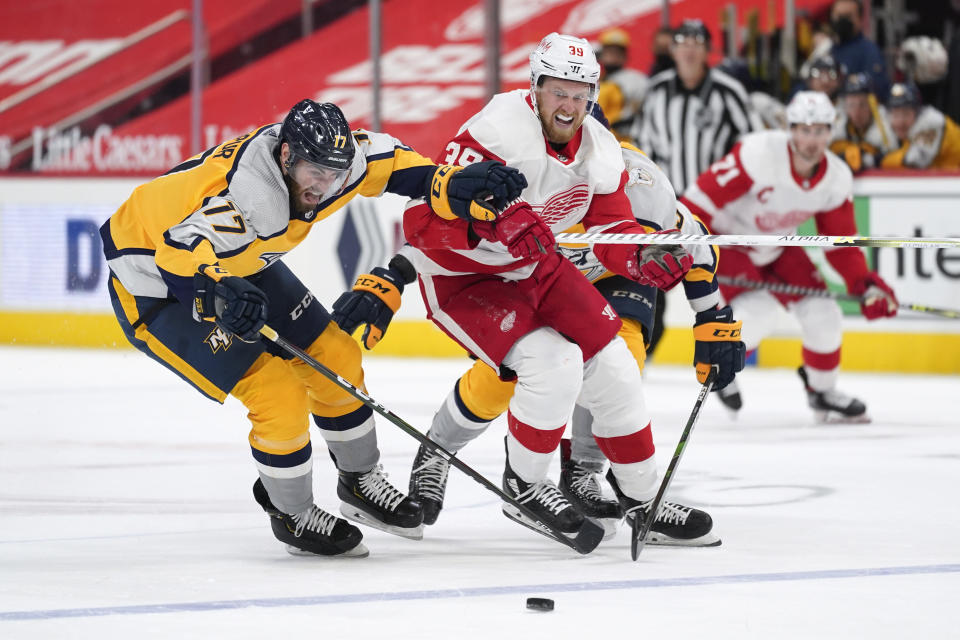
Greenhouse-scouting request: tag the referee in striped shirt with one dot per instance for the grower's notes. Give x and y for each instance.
(693, 115)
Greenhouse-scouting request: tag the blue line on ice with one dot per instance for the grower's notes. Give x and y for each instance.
(181, 607)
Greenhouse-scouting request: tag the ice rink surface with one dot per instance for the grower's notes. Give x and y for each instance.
(126, 512)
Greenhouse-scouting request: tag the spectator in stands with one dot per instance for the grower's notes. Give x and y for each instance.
(821, 44)
(826, 75)
(928, 138)
(923, 60)
(662, 59)
(862, 135)
(852, 49)
(621, 89)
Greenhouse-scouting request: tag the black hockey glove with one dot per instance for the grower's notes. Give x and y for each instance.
(475, 192)
(718, 344)
(237, 306)
(374, 300)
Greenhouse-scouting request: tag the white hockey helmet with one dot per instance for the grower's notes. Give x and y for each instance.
(811, 107)
(567, 58)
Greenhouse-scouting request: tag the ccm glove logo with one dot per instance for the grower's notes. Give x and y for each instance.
(438, 180)
(726, 334)
(375, 285)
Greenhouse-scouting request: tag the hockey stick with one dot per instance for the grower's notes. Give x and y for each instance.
(640, 530)
(757, 240)
(792, 289)
(584, 542)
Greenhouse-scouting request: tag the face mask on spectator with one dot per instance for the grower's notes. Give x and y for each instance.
(843, 27)
(665, 60)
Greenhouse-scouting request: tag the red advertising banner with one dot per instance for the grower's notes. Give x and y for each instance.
(66, 61)
(432, 65)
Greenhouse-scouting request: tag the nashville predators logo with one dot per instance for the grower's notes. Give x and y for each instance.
(219, 339)
(639, 176)
(927, 137)
(269, 258)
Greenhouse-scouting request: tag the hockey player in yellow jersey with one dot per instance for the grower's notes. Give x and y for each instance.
(196, 272)
(622, 89)
(862, 134)
(480, 395)
(928, 138)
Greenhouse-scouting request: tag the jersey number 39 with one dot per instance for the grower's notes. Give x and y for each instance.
(464, 156)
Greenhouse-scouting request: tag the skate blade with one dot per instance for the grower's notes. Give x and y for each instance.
(585, 539)
(358, 515)
(660, 540)
(514, 514)
(709, 539)
(833, 417)
(359, 551)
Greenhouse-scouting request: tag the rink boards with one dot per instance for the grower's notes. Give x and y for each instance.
(53, 277)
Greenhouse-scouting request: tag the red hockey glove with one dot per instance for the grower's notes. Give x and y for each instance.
(520, 229)
(877, 298)
(660, 265)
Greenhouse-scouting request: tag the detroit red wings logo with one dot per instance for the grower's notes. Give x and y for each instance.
(571, 203)
(771, 221)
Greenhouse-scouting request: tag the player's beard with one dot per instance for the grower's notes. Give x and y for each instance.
(554, 132)
(298, 203)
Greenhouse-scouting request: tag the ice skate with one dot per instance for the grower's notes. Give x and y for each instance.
(833, 407)
(675, 524)
(579, 485)
(369, 499)
(730, 397)
(428, 482)
(313, 532)
(545, 501)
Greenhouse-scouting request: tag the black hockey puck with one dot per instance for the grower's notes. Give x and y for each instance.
(540, 604)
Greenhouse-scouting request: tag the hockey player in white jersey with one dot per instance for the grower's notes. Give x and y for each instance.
(501, 290)
(530, 316)
(771, 182)
(479, 396)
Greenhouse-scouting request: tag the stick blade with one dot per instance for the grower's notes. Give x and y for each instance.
(638, 535)
(588, 537)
